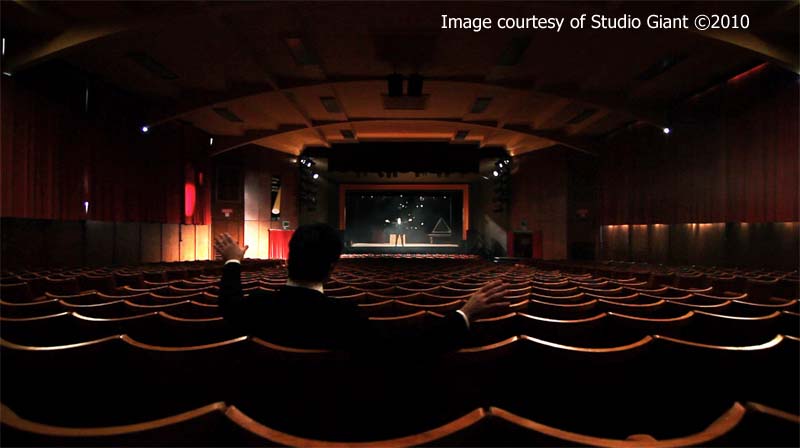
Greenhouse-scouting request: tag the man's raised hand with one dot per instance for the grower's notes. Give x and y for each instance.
(490, 297)
(227, 247)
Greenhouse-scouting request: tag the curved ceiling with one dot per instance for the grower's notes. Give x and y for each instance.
(264, 73)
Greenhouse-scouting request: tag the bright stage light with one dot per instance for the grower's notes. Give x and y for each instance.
(145, 129)
(495, 173)
(667, 130)
(315, 176)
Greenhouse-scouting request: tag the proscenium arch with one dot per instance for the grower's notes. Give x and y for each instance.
(255, 136)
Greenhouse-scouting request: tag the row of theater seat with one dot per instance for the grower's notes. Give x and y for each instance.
(603, 355)
(596, 323)
(218, 424)
(756, 290)
(606, 392)
(721, 278)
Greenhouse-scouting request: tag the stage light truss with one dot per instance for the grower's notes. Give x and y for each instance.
(501, 180)
(309, 180)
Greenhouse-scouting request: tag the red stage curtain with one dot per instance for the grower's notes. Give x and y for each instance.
(736, 162)
(54, 159)
(279, 243)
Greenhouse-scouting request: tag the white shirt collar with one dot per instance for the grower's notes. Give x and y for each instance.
(315, 286)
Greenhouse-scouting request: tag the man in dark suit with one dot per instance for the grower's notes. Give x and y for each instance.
(301, 315)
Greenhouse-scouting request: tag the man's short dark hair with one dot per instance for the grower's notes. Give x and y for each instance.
(313, 250)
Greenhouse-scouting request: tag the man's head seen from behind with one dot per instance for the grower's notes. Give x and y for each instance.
(313, 251)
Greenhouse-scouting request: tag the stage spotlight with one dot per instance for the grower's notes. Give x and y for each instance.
(308, 164)
(387, 221)
(667, 130)
(145, 129)
(315, 176)
(508, 161)
(211, 141)
(302, 161)
(499, 164)
(495, 173)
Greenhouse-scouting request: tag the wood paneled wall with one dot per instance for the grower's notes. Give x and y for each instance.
(769, 245)
(36, 243)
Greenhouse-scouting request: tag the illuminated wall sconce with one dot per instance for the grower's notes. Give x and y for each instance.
(276, 204)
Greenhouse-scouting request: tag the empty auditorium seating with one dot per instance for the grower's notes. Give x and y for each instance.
(600, 358)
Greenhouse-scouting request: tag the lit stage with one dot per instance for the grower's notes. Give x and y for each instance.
(409, 248)
(429, 218)
(407, 245)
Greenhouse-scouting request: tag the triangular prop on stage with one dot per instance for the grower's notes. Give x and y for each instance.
(441, 227)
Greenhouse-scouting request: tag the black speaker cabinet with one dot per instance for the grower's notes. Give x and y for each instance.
(523, 244)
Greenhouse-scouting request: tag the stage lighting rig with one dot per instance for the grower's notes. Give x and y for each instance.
(501, 180)
(308, 183)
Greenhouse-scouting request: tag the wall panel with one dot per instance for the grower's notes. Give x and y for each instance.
(151, 243)
(170, 242)
(99, 243)
(127, 243)
(186, 245)
(762, 245)
(64, 243)
(202, 242)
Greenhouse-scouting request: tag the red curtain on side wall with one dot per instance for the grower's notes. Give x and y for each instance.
(54, 159)
(738, 165)
(279, 243)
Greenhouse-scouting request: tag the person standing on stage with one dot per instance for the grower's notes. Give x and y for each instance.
(400, 231)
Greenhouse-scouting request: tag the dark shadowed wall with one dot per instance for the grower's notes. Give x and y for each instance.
(82, 185)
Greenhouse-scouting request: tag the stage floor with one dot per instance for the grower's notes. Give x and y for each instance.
(407, 245)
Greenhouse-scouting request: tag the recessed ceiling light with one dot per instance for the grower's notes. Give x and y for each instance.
(151, 65)
(225, 113)
(330, 104)
(480, 105)
(582, 116)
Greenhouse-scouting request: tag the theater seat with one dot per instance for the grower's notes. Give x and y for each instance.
(29, 309)
(205, 426)
(16, 292)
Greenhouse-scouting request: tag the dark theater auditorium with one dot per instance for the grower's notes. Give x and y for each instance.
(375, 224)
